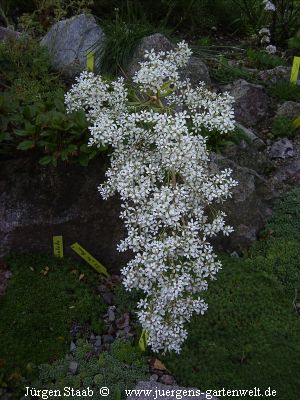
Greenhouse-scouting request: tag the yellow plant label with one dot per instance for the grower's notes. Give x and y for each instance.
(89, 259)
(58, 247)
(296, 123)
(143, 340)
(90, 61)
(295, 70)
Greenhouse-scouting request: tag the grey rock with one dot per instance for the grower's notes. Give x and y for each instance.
(170, 392)
(107, 339)
(282, 148)
(276, 74)
(253, 138)
(195, 70)
(111, 329)
(108, 297)
(154, 377)
(69, 41)
(157, 41)
(250, 207)
(98, 341)
(8, 34)
(123, 321)
(38, 202)
(73, 367)
(252, 104)
(167, 379)
(288, 109)
(92, 337)
(286, 177)
(72, 347)
(111, 313)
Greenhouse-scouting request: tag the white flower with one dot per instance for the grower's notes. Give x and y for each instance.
(265, 39)
(269, 6)
(160, 169)
(264, 31)
(271, 49)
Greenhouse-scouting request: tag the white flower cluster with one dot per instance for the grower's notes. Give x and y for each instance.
(264, 33)
(269, 6)
(159, 167)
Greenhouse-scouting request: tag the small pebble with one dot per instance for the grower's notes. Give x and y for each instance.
(108, 298)
(73, 367)
(72, 347)
(107, 339)
(92, 337)
(111, 313)
(167, 380)
(123, 321)
(154, 377)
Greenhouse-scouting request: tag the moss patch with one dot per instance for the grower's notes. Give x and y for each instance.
(44, 296)
(250, 335)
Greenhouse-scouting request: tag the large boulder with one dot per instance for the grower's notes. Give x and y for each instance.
(69, 41)
(38, 202)
(252, 104)
(195, 70)
(250, 207)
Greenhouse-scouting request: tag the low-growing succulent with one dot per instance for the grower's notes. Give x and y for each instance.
(117, 370)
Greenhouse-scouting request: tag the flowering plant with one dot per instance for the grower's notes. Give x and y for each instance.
(160, 168)
(265, 33)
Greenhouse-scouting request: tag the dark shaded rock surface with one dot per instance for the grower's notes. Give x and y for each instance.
(6, 33)
(274, 75)
(37, 203)
(252, 104)
(289, 109)
(250, 206)
(282, 148)
(195, 70)
(69, 41)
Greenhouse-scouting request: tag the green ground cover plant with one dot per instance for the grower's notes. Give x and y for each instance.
(44, 296)
(32, 112)
(44, 127)
(119, 369)
(262, 60)
(251, 333)
(283, 127)
(25, 70)
(284, 91)
(225, 73)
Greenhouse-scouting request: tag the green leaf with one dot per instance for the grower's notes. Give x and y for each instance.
(4, 136)
(29, 127)
(45, 160)
(26, 145)
(22, 133)
(72, 148)
(84, 160)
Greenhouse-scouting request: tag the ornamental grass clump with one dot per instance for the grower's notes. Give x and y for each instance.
(160, 169)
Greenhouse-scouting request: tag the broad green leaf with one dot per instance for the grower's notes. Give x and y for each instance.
(26, 145)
